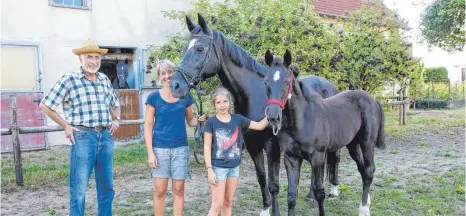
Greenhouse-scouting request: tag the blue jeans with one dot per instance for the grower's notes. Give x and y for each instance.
(92, 150)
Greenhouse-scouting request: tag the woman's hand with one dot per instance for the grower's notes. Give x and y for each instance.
(201, 118)
(152, 160)
(211, 176)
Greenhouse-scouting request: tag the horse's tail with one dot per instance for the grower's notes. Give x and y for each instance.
(381, 135)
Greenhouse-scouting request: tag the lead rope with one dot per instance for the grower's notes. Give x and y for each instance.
(198, 138)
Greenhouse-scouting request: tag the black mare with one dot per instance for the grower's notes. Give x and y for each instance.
(312, 126)
(119, 81)
(209, 53)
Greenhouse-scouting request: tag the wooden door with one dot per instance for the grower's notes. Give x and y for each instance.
(129, 102)
(29, 115)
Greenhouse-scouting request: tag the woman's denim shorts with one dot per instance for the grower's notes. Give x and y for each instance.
(171, 163)
(221, 174)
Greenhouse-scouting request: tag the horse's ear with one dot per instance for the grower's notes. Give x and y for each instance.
(287, 58)
(295, 70)
(126, 60)
(202, 23)
(268, 58)
(190, 24)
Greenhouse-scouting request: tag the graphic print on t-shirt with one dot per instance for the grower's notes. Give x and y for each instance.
(227, 143)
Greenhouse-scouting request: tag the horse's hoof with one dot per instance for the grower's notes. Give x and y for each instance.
(265, 212)
(364, 210)
(334, 191)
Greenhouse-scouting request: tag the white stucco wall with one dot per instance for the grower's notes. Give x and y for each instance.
(58, 30)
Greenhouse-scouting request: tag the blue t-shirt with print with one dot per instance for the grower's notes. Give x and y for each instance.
(227, 140)
(170, 124)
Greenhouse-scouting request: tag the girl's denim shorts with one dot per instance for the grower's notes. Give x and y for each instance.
(221, 174)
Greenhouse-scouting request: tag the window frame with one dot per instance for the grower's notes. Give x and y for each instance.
(145, 53)
(39, 72)
(87, 4)
(463, 74)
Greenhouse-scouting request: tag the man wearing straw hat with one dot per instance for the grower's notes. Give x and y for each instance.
(89, 102)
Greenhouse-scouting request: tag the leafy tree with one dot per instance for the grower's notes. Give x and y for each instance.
(436, 74)
(363, 54)
(442, 24)
(374, 51)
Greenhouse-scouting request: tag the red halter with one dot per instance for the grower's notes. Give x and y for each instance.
(287, 96)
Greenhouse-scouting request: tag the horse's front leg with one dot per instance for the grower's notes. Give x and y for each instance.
(317, 160)
(273, 161)
(255, 149)
(293, 170)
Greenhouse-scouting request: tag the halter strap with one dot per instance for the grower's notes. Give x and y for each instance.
(196, 79)
(287, 95)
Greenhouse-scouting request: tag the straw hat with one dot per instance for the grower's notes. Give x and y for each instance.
(89, 46)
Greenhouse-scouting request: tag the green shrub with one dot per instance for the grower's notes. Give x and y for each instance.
(430, 104)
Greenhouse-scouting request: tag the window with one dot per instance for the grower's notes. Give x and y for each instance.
(149, 78)
(463, 74)
(20, 67)
(70, 3)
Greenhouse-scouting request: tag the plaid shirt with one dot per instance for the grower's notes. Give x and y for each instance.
(85, 102)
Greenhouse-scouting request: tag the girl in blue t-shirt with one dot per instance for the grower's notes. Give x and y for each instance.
(223, 143)
(167, 141)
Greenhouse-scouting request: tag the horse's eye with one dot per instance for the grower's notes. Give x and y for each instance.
(200, 49)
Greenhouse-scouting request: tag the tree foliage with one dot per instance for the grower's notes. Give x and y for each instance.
(375, 52)
(442, 24)
(363, 53)
(436, 74)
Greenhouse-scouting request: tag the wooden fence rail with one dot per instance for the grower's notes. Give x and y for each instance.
(15, 131)
(41, 129)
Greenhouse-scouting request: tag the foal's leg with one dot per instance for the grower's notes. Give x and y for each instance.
(367, 148)
(356, 154)
(293, 170)
(273, 161)
(333, 159)
(317, 160)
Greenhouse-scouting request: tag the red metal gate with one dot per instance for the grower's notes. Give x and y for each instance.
(29, 115)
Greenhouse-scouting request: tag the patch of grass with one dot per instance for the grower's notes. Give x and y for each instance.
(418, 195)
(51, 168)
(344, 189)
(442, 154)
(344, 154)
(426, 121)
(390, 179)
(423, 144)
(51, 212)
(395, 151)
(130, 154)
(460, 189)
(439, 179)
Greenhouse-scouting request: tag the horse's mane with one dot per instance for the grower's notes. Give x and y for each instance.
(239, 56)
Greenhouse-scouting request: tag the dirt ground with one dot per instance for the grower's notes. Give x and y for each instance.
(424, 154)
